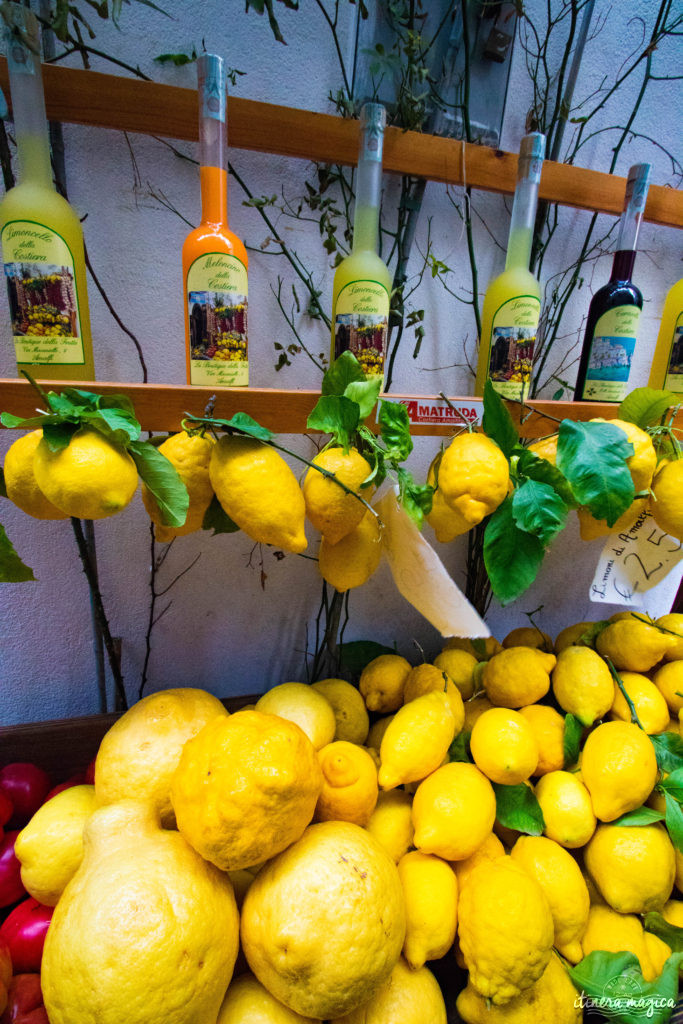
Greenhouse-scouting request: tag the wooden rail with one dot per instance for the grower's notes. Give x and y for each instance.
(161, 407)
(129, 104)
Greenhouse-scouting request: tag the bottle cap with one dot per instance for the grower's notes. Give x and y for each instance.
(531, 156)
(637, 184)
(373, 120)
(22, 36)
(212, 81)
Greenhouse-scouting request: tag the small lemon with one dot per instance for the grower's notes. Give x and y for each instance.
(20, 480)
(633, 644)
(672, 911)
(658, 951)
(570, 636)
(547, 725)
(567, 809)
(552, 998)
(248, 1002)
(349, 790)
(504, 747)
(669, 681)
(644, 459)
(391, 822)
(430, 891)
(528, 636)
(650, 705)
(92, 478)
(488, 850)
(666, 505)
(351, 717)
(259, 492)
(459, 666)
(446, 522)
(189, 454)
(323, 923)
(50, 846)
(474, 708)
(616, 933)
(141, 750)
(481, 648)
(560, 877)
(377, 730)
(473, 476)
(352, 561)
(428, 678)
(633, 866)
(619, 768)
(381, 682)
(245, 787)
(546, 448)
(518, 676)
(673, 622)
(306, 707)
(583, 684)
(505, 929)
(408, 997)
(453, 811)
(332, 510)
(591, 528)
(416, 740)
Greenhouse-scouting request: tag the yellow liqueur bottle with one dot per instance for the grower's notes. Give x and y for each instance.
(215, 260)
(667, 365)
(512, 304)
(41, 235)
(362, 282)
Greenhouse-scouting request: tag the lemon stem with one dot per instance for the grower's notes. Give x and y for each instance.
(618, 680)
(457, 412)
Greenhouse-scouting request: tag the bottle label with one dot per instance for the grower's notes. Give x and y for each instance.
(361, 320)
(611, 353)
(674, 369)
(43, 296)
(513, 337)
(217, 309)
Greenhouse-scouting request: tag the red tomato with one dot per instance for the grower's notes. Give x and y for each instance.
(24, 931)
(6, 809)
(25, 1002)
(75, 780)
(26, 785)
(11, 886)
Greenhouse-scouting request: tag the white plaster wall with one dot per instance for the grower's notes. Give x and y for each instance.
(223, 631)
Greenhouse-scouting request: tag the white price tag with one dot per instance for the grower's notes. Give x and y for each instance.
(420, 576)
(639, 568)
(437, 412)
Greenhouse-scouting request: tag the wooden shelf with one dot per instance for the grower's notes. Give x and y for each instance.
(129, 104)
(161, 407)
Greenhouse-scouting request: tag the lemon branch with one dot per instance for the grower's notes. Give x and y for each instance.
(632, 708)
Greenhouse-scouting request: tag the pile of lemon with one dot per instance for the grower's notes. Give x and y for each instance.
(307, 858)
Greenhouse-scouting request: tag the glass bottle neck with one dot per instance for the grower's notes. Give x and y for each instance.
(522, 224)
(213, 139)
(622, 265)
(30, 121)
(366, 212)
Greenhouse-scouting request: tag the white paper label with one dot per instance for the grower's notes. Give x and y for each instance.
(639, 568)
(421, 577)
(436, 411)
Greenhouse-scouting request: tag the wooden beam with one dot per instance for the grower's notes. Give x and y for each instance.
(161, 407)
(129, 104)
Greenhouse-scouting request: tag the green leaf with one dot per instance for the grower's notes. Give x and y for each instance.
(245, 424)
(217, 519)
(356, 654)
(30, 423)
(641, 816)
(179, 59)
(669, 751)
(673, 784)
(12, 569)
(536, 468)
(58, 435)
(518, 808)
(511, 556)
(459, 749)
(614, 984)
(343, 371)
(336, 415)
(415, 498)
(573, 730)
(538, 509)
(674, 821)
(163, 481)
(394, 425)
(116, 425)
(669, 933)
(365, 393)
(592, 456)
(645, 406)
(497, 422)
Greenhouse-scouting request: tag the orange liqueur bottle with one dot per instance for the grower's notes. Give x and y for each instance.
(214, 259)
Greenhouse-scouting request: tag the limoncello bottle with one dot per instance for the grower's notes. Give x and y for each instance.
(362, 282)
(512, 304)
(41, 235)
(215, 260)
(614, 311)
(667, 365)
